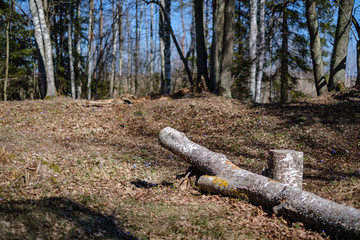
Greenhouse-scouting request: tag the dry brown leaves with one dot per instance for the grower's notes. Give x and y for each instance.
(106, 161)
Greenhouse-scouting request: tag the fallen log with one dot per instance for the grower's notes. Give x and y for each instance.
(339, 220)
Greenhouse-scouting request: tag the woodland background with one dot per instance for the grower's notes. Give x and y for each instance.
(267, 51)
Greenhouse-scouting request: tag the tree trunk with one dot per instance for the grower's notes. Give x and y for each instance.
(260, 71)
(357, 28)
(136, 60)
(252, 46)
(152, 60)
(119, 84)
(357, 84)
(115, 33)
(90, 40)
(42, 74)
(100, 61)
(216, 45)
(183, 26)
(7, 51)
(78, 49)
(339, 220)
(201, 60)
(167, 42)
(162, 48)
(206, 23)
(227, 50)
(42, 37)
(49, 66)
(315, 47)
(129, 87)
(71, 58)
(284, 75)
(339, 54)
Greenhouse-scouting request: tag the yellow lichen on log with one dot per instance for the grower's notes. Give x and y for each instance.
(221, 182)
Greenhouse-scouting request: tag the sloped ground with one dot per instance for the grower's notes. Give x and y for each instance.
(72, 171)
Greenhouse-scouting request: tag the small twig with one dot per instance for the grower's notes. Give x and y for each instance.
(186, 177)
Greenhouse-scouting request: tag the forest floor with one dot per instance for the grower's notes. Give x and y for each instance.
(74, 170)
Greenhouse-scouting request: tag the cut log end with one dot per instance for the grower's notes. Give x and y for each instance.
(285, 166)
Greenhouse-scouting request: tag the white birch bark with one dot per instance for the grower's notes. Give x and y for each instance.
(315, 47)
(136, 50)
(252, 46)
(90, 57)
(7, 52)
(342, 35)
(162, 47)
(78, 50)
(285, 166)
(340, 220)
(50, 78)
(119, 82)
(43, 40)
(167, 49)
(129, 88)
(71, 57)
(260, 71)
(113, 54)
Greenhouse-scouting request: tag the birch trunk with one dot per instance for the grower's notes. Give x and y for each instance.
(100, 61)
(228, 179)
(49, 66)
(78, 49)
(119, 83)
(140, 59)
(136, 63)
(357, 83)
(315, 47)
(260, 71)
(167, 50)
(42, 37)
(357, 28)
(129, 88)
(90, 40)
(252, 46)
(7, 51)
(113, 54)
(339, 54)
(227, 50)
(71, 57)
(162, 48)
(183, 26)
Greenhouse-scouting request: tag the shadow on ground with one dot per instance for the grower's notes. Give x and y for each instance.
(56, 218)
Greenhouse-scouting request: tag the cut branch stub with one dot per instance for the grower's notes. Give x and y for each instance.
(285, 166)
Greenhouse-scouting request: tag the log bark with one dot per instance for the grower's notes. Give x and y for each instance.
(285, 166)
(339, 220)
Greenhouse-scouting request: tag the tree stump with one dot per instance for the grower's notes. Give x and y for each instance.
(285, 166)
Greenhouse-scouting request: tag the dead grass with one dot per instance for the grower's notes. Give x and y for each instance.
(72, 171)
